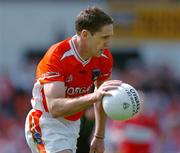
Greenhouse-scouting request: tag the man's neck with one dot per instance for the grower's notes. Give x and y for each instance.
(81, 48)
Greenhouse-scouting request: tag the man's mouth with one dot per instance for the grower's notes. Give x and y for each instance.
(101, 50)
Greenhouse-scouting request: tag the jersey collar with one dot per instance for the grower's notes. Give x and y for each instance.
(77, 55)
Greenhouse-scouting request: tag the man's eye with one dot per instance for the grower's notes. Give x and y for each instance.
(105, 37)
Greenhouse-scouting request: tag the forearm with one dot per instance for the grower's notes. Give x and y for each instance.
(100, 118)
(60, 107)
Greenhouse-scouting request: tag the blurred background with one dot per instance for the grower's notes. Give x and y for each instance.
(146, 50)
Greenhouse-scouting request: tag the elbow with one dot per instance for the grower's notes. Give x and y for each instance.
(54, 114)
(55, 111)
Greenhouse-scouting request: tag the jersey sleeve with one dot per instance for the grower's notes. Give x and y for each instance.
(106, 65)
(50, 68)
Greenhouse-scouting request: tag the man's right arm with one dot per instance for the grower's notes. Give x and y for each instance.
(59, 106)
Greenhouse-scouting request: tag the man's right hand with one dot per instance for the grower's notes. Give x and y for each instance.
(104, 89)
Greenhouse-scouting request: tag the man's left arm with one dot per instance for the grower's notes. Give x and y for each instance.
(100, 117)
(97, 143)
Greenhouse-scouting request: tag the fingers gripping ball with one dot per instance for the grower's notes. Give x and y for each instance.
(123, 104)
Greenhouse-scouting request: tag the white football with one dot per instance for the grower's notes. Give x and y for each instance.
(123, 104)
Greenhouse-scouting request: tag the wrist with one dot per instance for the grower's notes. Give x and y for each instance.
(92, 98)
(98, 136)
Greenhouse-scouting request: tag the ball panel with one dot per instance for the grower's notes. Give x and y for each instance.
(134, 97)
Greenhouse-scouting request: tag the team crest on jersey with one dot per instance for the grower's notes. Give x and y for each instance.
(95, 74)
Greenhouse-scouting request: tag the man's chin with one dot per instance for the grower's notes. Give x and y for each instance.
(98, 55)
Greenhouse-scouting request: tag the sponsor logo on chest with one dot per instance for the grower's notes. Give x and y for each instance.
(72, 91)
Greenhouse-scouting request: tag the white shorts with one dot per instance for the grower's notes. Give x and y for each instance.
(49, 135)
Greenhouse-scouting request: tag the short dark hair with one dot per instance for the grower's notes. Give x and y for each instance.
(92, 19)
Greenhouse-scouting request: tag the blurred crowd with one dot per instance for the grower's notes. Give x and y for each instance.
(15, 95)
(155, 130)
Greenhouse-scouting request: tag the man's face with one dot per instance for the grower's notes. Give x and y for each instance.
(99, 40)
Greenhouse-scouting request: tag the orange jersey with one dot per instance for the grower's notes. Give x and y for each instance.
(62, 62)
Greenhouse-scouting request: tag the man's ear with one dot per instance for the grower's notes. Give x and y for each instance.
(85, 34)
